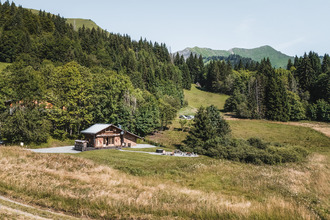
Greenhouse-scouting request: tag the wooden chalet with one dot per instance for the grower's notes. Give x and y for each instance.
(103, 136)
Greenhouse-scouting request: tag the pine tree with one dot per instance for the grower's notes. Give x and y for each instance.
(208, 125)
(213, 77)
(276, 99)
(326, 64)
(289, 65)
(305, 73)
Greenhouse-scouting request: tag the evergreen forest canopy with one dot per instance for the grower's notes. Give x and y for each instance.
(61, 81)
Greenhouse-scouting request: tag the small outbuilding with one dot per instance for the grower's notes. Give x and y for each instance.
(102, 136)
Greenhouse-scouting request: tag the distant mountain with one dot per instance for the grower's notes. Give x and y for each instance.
(277, 58)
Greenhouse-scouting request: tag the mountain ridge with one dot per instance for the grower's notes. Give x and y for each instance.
(277, 58)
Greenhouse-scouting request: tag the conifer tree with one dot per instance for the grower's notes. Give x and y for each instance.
(276, 99)
(326, 64)
(208, 125)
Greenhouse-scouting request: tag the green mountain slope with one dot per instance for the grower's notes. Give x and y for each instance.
(76, 22)
(79, 23)
(277, 58)
(207, 52)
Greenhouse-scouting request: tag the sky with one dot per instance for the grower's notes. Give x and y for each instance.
(290, 26)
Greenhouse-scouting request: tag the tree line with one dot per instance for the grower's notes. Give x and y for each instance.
(61, 81)
(257, 90)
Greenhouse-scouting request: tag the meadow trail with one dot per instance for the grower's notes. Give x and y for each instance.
(24, 211)
(322, 127)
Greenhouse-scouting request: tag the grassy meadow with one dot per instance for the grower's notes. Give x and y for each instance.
(197, 97)
(112, 184)
(108, 184)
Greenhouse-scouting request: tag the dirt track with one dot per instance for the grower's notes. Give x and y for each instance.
(28, 215)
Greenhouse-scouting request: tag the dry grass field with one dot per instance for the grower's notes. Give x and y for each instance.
(201, 189)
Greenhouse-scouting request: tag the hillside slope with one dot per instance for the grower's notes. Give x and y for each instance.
(277, 58)
(76, 22)
(79, 23)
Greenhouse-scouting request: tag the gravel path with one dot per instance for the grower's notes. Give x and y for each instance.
(69, 149)
(160, 154)
(143, 146)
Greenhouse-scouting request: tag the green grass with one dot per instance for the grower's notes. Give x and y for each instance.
(281, 133)
(140, 164)
(197, 98)
(53, 143)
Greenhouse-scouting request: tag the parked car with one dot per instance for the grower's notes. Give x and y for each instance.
(190, 117)
(2, 142)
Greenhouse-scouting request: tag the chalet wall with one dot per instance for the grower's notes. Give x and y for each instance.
(128, 138)
(99, 142)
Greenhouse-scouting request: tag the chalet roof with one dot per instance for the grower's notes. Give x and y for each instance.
(94, 129)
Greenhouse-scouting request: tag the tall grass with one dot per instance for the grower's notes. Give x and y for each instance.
(88, 189)
(265, 186)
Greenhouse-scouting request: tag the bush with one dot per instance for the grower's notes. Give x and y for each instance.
(257, 142)
(254, 151)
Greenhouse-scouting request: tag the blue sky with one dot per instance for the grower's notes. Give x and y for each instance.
(291, 26)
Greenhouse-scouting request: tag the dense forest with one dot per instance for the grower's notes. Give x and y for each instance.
(257, 90)
(61, 81)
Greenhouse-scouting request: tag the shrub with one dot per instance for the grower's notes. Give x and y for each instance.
(257, 142)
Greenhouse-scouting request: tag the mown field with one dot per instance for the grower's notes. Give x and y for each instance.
(111, 184)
